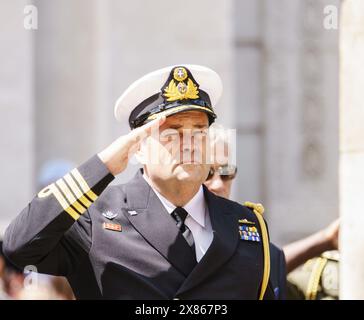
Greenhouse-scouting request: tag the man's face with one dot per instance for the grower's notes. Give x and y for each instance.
(220, 185)
(221, 175)
(178, 152)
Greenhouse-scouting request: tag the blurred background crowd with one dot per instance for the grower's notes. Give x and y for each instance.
(13, 284)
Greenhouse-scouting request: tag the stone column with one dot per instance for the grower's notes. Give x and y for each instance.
(300, 118)
(66, 82)
(249, 97)
(352, 150)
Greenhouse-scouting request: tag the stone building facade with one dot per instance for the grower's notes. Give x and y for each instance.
(279, 65)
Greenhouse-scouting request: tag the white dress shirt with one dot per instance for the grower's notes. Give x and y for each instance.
(198, 219)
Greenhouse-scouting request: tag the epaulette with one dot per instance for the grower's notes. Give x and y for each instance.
(331, 255)
(258, 207)
(258, 210)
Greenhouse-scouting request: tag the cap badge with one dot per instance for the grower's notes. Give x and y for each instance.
(177, 88)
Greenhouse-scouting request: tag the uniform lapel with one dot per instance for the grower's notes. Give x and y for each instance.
(223, 246)
(156, 226)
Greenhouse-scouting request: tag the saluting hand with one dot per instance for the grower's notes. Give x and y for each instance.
(117, 154)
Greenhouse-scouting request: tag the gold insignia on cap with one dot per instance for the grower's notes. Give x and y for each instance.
(182, 88)
(180, 74)
(177, 88)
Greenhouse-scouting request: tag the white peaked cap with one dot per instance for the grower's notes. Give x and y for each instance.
(152, 83)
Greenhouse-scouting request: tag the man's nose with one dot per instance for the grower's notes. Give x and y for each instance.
(185, 147)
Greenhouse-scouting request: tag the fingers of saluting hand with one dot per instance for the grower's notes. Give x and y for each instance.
(138, 134)
(116, 155)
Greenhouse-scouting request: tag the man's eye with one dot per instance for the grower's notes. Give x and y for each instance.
(170, 136)
(200, 133)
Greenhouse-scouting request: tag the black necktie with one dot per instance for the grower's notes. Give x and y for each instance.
(179, 214)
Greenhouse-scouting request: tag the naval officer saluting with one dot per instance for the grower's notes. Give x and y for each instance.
(162, 235)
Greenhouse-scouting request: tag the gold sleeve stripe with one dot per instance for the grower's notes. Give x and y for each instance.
(85, 201)
(84, 186)
(66, 191)
(72, 192)
(76, 190)
(72, 213)
(59, 196)
(70, 197)
(91, 195)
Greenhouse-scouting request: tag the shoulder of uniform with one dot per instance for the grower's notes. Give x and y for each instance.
(257, 207)
(232, 207)
(112, 197)
(256, 210)
(242, 211)
(112, 191)
(331, 255)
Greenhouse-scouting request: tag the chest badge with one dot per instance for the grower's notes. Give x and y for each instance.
(112, 226)
(109, 215)
(247, 232)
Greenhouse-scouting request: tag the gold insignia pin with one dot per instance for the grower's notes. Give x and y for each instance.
(180, 74)
(245, 221)
(112, 226)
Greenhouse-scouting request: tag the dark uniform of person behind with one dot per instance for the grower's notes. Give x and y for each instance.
(119, 242)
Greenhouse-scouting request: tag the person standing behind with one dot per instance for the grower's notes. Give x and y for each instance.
(316, 278)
